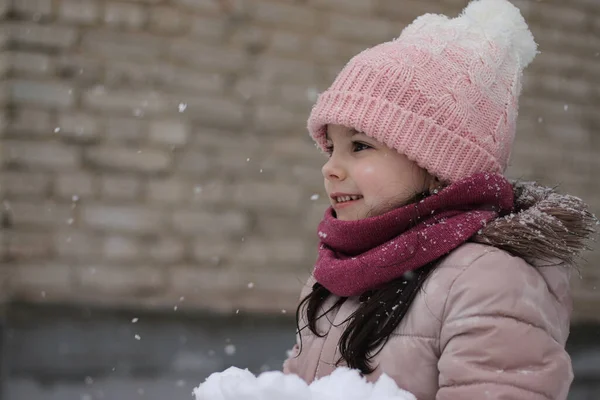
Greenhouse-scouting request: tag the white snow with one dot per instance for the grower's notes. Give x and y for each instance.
(343, 384)
(230, 349)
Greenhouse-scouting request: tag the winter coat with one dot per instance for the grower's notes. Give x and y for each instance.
(490, 322)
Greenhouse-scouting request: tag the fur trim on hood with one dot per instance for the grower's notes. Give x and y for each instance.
(546, 226)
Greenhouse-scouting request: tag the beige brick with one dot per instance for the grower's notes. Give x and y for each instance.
(310, 176)
(163, 77)
(210, 192)
(45, 276)
(237, 162)
(335, 51)
(49, 36)
(120, 45)
(187, 278)
(254, 39)
(406, 11)
(119, 279)
(79, 11)
(75, 185)
(136, 103)
(4, 100)
(77, 68)
(77, 244)
(288, 43)
(167, 19)
(28, 63)
(193, 162)
(132, 219)
(79, 127)
(285, 15)
(280, 252)
(268, 196)
(207, 249)
(282, 70)
(122, 248)
(34, 9)
(278, 119)
(167, 250)
(45, 94)
(278, 227)
(559, 16)
(567, 89)
(169, 132)
(124, 15)
(129, 159)
(25, 183)
(214, 112)
(168, 190)
(216, 224)
(24, 245)
(125, 129)
(206, 138)
(567, 42)
(210, 58)
(200, 5)
(30, 121)
(210, 30)
(45, 155)
(361, 7)
(372, 31)
(5, 62)
(296, 147)
(252, 89)
(40, 213)
(120, 187)
(301, 97)
(190, 80)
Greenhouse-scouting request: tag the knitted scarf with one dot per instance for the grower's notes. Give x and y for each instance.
(357, 256)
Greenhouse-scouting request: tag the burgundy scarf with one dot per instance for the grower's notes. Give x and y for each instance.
(356, 256)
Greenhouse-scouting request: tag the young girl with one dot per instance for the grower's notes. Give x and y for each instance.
(433, 268)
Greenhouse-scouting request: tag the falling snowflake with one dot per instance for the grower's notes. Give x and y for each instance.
(230, 349)
(182, 107)
(314, 197)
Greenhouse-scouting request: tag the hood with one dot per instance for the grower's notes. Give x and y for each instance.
(546, 226)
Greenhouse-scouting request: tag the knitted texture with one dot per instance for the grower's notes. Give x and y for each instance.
(361, 255)
(445, 93)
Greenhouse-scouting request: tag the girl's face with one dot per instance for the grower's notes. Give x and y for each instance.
(365, 178)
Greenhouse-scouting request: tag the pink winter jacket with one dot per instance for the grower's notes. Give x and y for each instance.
(485, 325)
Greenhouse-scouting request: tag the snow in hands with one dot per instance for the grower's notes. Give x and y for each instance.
(342, 384)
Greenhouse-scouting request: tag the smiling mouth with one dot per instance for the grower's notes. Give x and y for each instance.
(346, 199)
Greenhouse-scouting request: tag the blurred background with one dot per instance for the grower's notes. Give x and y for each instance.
(160, 193)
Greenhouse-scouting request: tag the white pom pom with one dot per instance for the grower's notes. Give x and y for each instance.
(499, 18)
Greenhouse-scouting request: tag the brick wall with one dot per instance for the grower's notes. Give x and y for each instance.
(155, 153)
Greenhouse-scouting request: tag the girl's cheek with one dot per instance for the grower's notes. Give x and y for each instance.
(366, 171)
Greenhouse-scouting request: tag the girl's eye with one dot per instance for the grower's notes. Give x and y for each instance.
(358, 146)
(329, 149)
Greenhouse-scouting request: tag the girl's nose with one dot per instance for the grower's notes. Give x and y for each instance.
(333, 170)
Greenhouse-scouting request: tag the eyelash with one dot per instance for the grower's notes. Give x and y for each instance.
(329, 148)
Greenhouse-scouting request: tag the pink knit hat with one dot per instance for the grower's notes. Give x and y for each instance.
(445, 93)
